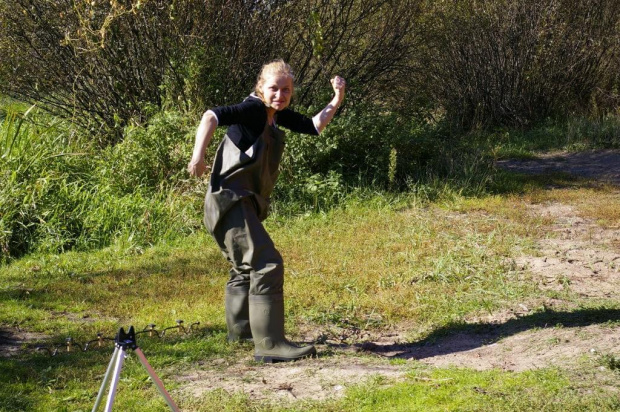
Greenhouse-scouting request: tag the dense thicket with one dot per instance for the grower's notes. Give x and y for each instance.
(505, 62)
(107, 63)
(134, 74)
(98, 63)
(490, 62)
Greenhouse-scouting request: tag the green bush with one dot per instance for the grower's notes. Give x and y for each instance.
(381, 151)
(60, 192)
(150, 158)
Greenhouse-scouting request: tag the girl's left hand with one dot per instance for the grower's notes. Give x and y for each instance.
(339, 85)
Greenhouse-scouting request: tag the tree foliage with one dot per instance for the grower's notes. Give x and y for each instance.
(104, 64)
(502, 62)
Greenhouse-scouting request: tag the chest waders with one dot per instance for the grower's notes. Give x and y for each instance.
(236, 203)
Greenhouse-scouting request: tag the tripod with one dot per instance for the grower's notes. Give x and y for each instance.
(123, 342)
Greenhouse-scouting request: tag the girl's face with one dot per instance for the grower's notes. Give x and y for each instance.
(277, 91)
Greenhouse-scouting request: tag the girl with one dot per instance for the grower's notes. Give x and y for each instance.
(243, 175)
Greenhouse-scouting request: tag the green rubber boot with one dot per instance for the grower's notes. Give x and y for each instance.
(267, 324)
(237, 314)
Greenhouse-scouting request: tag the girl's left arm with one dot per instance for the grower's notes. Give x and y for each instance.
(327, 114)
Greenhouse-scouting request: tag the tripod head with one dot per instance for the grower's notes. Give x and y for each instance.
(126, 340)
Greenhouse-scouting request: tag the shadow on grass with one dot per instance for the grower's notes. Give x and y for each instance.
(570, 170)
(456, 338)
(83, 296)
(601, 166)
(507, 182)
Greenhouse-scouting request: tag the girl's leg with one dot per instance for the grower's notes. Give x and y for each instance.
(254, 260)
(256, 264)
(248, 246)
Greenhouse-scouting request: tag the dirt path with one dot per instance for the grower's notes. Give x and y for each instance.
(576, 256)
(577, 259)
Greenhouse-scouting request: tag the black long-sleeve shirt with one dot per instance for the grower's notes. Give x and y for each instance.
(247, 120)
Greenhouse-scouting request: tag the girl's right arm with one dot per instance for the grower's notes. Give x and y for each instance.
(206, 129)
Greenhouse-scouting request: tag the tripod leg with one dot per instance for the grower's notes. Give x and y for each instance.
(117, 373)
(106, 379)
(158, 383)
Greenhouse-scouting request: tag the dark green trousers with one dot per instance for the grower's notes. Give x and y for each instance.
(247, 246)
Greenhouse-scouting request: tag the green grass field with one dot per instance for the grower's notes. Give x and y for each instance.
(430, 261)
(374, 263)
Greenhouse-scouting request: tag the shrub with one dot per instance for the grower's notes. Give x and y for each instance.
(104, 64)
(515, 63)
(152, 157)
(382, 151)
(61, 192)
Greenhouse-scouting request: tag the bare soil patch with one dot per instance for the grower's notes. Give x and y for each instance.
(578, 256)
(317, 379)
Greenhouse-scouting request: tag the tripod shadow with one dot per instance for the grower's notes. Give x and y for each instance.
(456, 338)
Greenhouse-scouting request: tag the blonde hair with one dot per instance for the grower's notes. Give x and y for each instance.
(275, 67)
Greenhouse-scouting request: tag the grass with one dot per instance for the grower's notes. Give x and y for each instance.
(62, 192)
(433, 259)
(415, 251)
(375, 262)
(466, 390)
